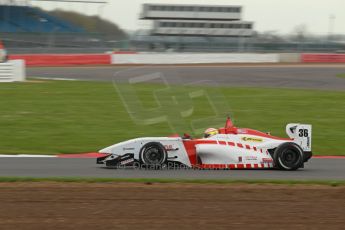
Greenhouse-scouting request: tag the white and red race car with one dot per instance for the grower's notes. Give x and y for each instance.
(231, 148)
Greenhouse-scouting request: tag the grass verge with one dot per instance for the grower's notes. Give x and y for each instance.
(166, 181)
(50, 117)
(341, 75)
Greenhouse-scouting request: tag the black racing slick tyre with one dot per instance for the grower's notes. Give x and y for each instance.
(288, 156)
(153, 155)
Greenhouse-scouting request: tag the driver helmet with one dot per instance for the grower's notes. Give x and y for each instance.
(210, 132)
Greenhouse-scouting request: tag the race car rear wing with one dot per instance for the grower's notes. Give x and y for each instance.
(301, 134)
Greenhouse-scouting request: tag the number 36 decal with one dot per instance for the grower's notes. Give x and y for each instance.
(303, 133)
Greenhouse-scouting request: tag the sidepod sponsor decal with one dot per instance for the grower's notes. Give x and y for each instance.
(253, 139)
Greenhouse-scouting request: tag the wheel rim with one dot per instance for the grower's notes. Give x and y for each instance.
(290, 158)
(153, 155)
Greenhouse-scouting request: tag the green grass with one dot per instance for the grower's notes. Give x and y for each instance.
(341, 75)
(71, 117)
(166, 181)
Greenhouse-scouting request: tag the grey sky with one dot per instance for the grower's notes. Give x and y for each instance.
(268, 15)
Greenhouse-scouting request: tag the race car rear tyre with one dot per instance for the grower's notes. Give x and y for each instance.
(288, 156)
(153, 155)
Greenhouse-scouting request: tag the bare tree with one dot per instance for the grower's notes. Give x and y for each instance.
(300, 33)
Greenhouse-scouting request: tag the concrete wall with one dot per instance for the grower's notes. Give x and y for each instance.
(290, 58)
(193, 58)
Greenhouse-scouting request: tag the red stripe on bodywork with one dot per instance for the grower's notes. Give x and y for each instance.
(213, 166)
(261, 134)
(247, 147)
(231, 143)
(234, 166)
(205, 142)
(240, 166)
(239, 145)
(191, 151)
(82, 155)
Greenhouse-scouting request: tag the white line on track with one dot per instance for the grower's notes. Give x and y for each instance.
(27, 156)
(55, 78)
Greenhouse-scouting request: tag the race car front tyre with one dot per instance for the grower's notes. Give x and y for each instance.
(153, 155)
(288, 156)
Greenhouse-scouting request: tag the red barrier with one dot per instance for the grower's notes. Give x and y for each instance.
(323, 58)
(63, 59)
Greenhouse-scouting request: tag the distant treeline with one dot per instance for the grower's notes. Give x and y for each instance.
(91, 24)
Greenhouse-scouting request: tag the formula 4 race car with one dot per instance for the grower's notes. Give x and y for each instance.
(230, 148)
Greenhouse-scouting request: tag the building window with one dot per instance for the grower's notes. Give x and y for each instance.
(171, 24)
(189, 8)
(237, 26)
(237, 10)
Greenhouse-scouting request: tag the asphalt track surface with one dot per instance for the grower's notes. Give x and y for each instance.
(315, 169)
(283, 76)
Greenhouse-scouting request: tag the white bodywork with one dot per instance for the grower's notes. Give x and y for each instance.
(135, 145)
(241, 148)
(301, 134)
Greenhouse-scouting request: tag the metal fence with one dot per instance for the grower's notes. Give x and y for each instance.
(241, 44)
(60, 43)
(96, 43)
